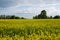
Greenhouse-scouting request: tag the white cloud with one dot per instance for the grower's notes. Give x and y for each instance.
(32, 7)
(10, 3)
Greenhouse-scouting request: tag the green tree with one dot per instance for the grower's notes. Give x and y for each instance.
(56, 17)
(22, 18)
(12, 17)
(35, 17)
(8, 17)
(42, 15)
(17, 17)
(50, 17)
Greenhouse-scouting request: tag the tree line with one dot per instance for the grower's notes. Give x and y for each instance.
(10, 17)
(43, 15)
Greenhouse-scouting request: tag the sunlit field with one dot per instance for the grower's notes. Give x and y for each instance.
(29, 29)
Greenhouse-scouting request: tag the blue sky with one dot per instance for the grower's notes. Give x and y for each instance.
(29, 8)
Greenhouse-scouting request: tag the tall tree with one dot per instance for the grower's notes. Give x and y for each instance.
(42, 15)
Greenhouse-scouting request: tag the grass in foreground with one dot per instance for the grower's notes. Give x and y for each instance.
(43, 29)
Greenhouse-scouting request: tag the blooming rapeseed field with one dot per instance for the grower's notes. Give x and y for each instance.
(29, 29)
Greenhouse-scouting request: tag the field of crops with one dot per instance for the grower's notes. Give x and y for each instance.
(31, 29)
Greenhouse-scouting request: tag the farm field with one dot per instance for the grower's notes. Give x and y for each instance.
(29, 29)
